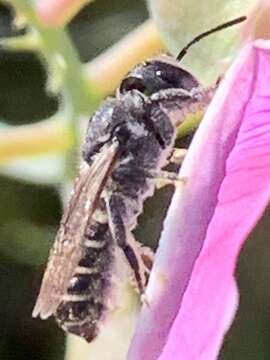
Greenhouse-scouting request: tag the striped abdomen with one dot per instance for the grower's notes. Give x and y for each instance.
(85, 302)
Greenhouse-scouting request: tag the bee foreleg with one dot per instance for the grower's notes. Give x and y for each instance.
(124, 239)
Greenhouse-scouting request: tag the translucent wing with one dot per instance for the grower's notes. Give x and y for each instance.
(67, 250)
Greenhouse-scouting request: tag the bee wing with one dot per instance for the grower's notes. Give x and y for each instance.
(67, 250)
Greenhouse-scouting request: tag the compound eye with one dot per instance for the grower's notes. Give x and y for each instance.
(132, 83)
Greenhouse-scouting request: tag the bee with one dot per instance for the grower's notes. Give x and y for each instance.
(129, 140)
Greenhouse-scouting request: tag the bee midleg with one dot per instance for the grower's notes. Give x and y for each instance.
(124, 239)
(178, 156)
(164, 178)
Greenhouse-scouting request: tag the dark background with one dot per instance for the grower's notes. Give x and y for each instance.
(30, 213)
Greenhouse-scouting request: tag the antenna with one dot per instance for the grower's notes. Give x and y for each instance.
(208, 32)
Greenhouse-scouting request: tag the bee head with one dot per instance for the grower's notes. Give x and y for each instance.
(165, 72)
(158, 74)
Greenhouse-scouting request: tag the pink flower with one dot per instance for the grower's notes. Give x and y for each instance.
(58, 12)
(192, 293)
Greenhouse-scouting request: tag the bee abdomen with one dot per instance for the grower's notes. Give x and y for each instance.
(85, 301)
(80, 318)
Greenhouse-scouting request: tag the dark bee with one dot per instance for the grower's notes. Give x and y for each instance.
(129, 140)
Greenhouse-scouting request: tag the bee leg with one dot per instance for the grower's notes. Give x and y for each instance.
(178, 156)
(125, 241)
(164, 178)
(147, 256)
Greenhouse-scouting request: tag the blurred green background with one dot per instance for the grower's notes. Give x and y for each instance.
(30, 212)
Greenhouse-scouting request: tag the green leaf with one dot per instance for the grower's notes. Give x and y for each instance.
(180, 21)
(25, 242)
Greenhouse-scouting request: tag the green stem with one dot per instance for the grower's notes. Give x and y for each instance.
(65, 72)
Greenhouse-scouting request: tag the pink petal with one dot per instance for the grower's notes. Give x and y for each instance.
(192, 292)
(57, 12)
